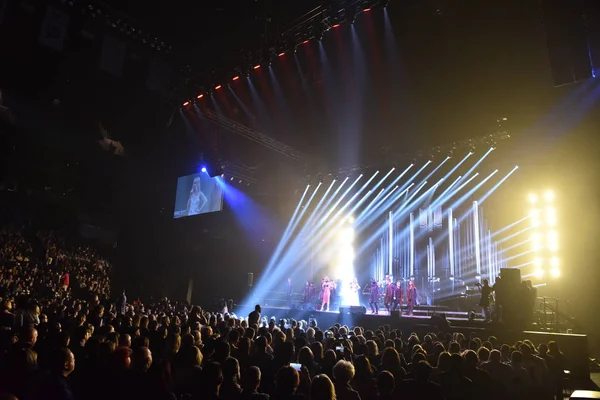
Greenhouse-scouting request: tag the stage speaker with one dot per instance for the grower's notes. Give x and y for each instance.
(250, 279)
(511, 277)
(354, 310)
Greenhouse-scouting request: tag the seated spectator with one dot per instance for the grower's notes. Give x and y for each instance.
(250, 383)
(286, 385)
(385, 385)
(364, 382)
(321, 388)
(343, 372)
(230, 389)
(421, 386)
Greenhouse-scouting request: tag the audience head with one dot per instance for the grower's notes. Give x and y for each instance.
(343, 372)
(321, 388)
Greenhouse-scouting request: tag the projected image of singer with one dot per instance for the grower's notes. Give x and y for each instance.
(197, 199)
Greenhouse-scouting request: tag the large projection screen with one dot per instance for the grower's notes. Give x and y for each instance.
(197, 194)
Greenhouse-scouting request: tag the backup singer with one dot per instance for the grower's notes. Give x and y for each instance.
(306, 296)
(374, 297)
(484, 303)
(411, 297)
(389, 294)
(398, 296)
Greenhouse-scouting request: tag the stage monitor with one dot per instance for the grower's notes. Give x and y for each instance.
(197, 194)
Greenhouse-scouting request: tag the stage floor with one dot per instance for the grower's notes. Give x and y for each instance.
(420, 312)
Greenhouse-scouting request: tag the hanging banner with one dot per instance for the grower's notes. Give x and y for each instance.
(54, 29)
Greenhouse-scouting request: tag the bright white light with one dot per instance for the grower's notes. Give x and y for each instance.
(350, 219)
(554, 262)
(549, 196)
(552, 241)
(538, 262)
(551, 216)
(539, 273)
(555, 272)
(346, 236)
(532, 198)
(536, 241)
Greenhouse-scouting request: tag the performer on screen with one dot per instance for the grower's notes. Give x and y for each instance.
(389, 294)
(398, 295)
(197, 199)
(411, 296)
(374, 297)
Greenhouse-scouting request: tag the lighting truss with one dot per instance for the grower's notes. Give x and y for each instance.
(239, 172)
(253, 135)
(446, 150)
(311, 25)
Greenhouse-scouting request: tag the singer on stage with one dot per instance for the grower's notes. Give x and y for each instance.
(326, 288)
(411, 297)
(389, 294)
(398, 295)
(374, 297)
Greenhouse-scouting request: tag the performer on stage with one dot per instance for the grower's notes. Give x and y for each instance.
(351, 298)
(484, 302)
(389, 295)
(306, 294)
(326, 288)
(374, 297)
(411, 296)
(289, 291)
(398, 295)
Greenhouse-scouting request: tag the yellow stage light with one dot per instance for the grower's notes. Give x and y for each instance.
(532, 198)
(539, 273)
(549, 196)
(554, 262)
(538, 262)
(555, 272)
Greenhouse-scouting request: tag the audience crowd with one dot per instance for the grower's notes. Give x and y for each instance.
(59, 341)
